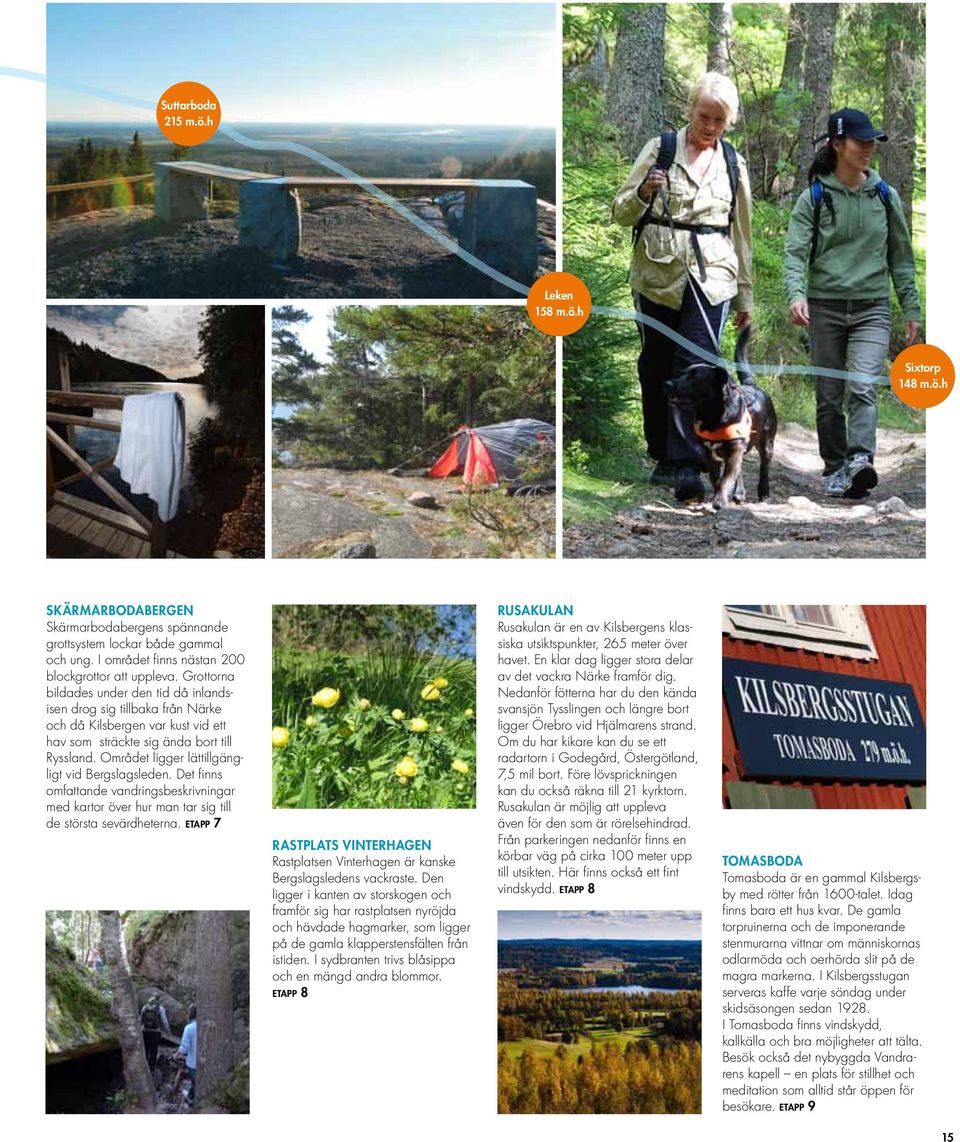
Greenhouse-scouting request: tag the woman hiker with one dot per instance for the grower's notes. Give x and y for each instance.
(847, 237)
(687, 275)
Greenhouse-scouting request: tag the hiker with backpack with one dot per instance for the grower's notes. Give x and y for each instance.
(153, 1025)
(847, 238)
(688, 201)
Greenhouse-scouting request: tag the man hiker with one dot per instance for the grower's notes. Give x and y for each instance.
(188, 1050)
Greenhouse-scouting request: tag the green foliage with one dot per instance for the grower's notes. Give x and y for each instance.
(400, 380)
(536, 167)
(235, 1096)
(136, 161)
(353, 751)
(119, 1101)
(77, 1001)
(86, 162)
(365, 629)
(137, 924)
(602, 416)
(522, 525)
(294, 370)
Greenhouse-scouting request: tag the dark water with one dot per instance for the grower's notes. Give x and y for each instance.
(97, 445)
(629, 989)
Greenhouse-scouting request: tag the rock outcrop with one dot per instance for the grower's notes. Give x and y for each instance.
(163, 955)
(79, 1020)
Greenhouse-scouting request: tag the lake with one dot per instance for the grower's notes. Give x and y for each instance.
(630, 989)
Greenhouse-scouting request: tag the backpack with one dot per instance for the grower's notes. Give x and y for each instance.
(820, 197)
(150, 1019)
(664, 161)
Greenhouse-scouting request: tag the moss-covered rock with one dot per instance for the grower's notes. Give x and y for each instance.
(79, 1018)
(235, 1096)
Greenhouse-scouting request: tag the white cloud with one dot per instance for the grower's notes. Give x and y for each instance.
(165, 337)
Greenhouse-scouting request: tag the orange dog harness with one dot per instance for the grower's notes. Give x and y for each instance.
(739, 430)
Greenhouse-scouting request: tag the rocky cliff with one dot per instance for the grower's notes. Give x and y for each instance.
(79, 1020)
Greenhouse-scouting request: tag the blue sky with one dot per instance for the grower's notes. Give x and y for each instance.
(599, 925)
(305, 63)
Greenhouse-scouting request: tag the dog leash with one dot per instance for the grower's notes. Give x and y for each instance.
(686, 269)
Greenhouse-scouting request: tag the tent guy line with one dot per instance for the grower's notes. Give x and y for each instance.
(448, 243)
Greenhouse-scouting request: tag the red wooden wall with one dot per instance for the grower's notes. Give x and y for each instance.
(900, 639)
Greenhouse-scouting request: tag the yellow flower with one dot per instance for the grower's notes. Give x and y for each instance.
(310, 721)
(327, 697)
(468, 713)
(281, 737)
(364, 703)
(397, 715)
(406, 768)
(459, 766)
(419, 725)
(430, 692)
(439, 683)
(438, 729)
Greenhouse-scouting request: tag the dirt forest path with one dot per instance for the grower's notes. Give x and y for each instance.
(798, 521)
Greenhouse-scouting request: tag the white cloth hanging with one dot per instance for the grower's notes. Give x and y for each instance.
(152, 446)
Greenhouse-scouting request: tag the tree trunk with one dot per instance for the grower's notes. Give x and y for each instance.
(902, 90)
(136, 1073)
(215, 1052)
(634, 105)
(791, 76)
(817, 81)
(719, 37)
(598, 65)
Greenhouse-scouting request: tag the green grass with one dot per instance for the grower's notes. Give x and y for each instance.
(590, 498)
(545, 1048)
(540, 1047)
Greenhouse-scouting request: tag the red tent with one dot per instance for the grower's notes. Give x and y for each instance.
(495, 452)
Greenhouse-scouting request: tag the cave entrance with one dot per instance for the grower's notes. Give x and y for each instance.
(86, 1085)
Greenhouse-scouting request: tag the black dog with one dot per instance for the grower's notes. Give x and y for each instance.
(729, 420)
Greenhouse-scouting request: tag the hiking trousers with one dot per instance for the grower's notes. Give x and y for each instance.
(853, 336)
(151, 1043)
(668, 429)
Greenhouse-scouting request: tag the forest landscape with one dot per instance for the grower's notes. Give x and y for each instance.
(599, 1012)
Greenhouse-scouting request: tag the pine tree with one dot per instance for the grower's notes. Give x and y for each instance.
(136, 1073)
(136, 161)
(215, 1048)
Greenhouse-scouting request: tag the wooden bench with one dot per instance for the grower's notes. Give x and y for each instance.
(181, 190)
(499, 223)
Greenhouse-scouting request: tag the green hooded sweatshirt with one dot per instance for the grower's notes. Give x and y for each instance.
(854, 252)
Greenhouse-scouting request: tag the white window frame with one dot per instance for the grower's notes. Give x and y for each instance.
(848, 637)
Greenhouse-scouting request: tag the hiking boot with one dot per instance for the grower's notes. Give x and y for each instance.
(688, 485)
(836, 483)
(862, 476)
(664, 473)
